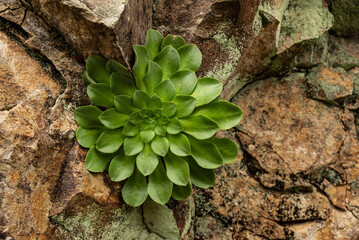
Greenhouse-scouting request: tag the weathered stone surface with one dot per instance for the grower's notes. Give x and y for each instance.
(87, 219)
(330, 84)
(108, 29)
(30, 158)
(345, 14)
(297, 175)
(282, 132)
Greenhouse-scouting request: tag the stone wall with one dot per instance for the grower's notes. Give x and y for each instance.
(291, 65)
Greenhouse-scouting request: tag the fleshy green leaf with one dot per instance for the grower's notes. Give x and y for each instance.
(122, 85)
(225, 114)
(113, 119)
(133, 145)
(163, 120)
(121, 167)
(114, 66)
(135, 118)
(153, 77)
(184, 81)
(147, 135)
(147, 160)
(97, 161)
(130, 129)
(160, 130)
(226, 147)
(140, 99)
(200, 177)
(174, 126)
(185, 105)
(110, 141)
(87, 79)
(160, 145)
(179, 144)
(205, 153)
(191, 57)
(177, 169)
(199, 126)
(101, 94)
(181, 192)
(169, 61)
(134, 192)
(87, 117)
(153, 43)
(176, 42)
(159, 186)
(96, 68)
(206, 90)
(140, 67)
(154, 102)
(124, 104)
(169, 109)
(87, 137)
(166, 90)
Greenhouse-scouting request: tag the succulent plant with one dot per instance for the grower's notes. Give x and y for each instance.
(156, 126)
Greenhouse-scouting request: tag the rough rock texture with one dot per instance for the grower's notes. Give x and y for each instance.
(291, 65)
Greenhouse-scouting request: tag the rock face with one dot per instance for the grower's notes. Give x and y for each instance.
(291, 65)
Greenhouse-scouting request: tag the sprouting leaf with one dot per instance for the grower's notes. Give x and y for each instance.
(97, 161)
(147, 135)
(113, 119)
(185, 105)
(110, 141)
(206, 90)
(169, 61)
(153, 43)
(124, 104)
(191, 57)
(225, 114)
(159, 186)
(169, 108)
(205, 153)
(165, 90)
(181, 192)
(177, 169)
(154, 102)
(87, 79)
(226, 147)
(114, 66)
(88, 137)
(174, 126)
(199, 176)
(135, 118)
(101, 94)
(121, 85)
(199, 126)
(133, 145)
(184, 81)
(96, 68)
(160, 130)
(179, 144)
(130, 129)
(134, 192)
(121, 167)
(175, 41)
(87, 117)
(140, 99)
(147, 160)
(140, 67)
(160, 145)
(153, 77)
